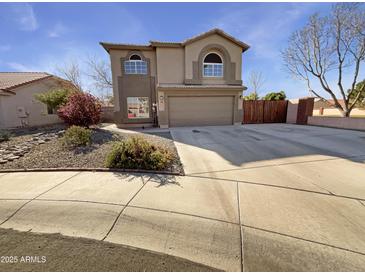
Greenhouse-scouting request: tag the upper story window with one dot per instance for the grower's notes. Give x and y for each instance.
(212, 65)
(135, 65)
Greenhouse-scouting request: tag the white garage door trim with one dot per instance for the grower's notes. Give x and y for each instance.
(200, 110)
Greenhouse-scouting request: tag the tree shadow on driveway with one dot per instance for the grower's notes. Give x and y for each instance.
(261, 142)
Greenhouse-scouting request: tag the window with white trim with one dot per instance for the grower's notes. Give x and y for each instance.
(135, 65)
(138, 107)
(212, 65)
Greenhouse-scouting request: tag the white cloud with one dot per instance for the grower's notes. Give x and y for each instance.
(57, 30)
(18, 66)
(266, 28)
(25, 17)
(5, 47)
(263, 27)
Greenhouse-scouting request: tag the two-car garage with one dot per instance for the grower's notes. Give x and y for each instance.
(200, 110)
(193, 105)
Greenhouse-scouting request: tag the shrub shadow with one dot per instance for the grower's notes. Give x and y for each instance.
(129, 177)
(163, 180)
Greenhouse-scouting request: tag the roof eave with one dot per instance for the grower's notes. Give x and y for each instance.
(109, 46)
(30, 82)
(202, 87)
(245, 48)
(161, 44)
(6, 92)
(11, 88)
(241, 44)
(153, 44)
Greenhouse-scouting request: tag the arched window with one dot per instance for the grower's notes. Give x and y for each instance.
(135, 65)
(212, 65)
(135, 57)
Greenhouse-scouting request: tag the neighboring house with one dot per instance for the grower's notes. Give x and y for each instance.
(194, 82)
(18, 107)
(326, 108)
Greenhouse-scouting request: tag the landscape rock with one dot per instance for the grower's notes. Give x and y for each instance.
(15, 151)
(60, 133)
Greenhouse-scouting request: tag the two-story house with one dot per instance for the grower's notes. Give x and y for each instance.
(191, 83)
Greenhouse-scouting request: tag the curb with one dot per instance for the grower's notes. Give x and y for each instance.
(92, 169)
(354, 129)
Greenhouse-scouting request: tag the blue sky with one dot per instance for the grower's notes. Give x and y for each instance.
(41, 36)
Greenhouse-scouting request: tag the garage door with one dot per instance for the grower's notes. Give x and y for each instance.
(200, 111)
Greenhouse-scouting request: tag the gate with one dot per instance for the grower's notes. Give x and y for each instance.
(253, 112)
(305, 109)
(264, 111)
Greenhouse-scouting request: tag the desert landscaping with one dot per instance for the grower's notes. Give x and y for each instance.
(42, 148)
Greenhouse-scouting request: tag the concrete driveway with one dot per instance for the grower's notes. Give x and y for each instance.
(301, 190)
(255, 198)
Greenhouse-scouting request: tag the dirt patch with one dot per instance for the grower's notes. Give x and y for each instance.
(60, 253)
(54, 155)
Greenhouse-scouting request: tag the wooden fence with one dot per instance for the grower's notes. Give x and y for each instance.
(264, 111)
(305, 109)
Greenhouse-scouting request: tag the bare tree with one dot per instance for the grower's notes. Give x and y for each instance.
(329, 44)
(71, 71)
(256, 80)
(100, 73)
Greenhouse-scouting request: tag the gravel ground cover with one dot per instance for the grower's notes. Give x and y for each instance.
(53, 155)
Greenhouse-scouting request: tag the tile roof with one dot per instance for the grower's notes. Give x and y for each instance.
(330, 102)
(244, 46)
(108, 46)
(10, 80)
(165, 42)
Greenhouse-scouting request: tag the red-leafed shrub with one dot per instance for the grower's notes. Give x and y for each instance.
(81, 109)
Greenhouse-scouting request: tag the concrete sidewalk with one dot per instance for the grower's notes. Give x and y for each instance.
(119, 208)
(227, 224)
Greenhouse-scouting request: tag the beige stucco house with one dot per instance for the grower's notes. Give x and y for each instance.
(18, 106)
(326, 108)
(194, 82)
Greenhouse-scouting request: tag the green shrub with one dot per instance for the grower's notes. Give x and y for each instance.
(54, 98)
(251, 96)
(275, 96)
(138, 153)
(4, 135)
(76, 136)
(359, 88)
